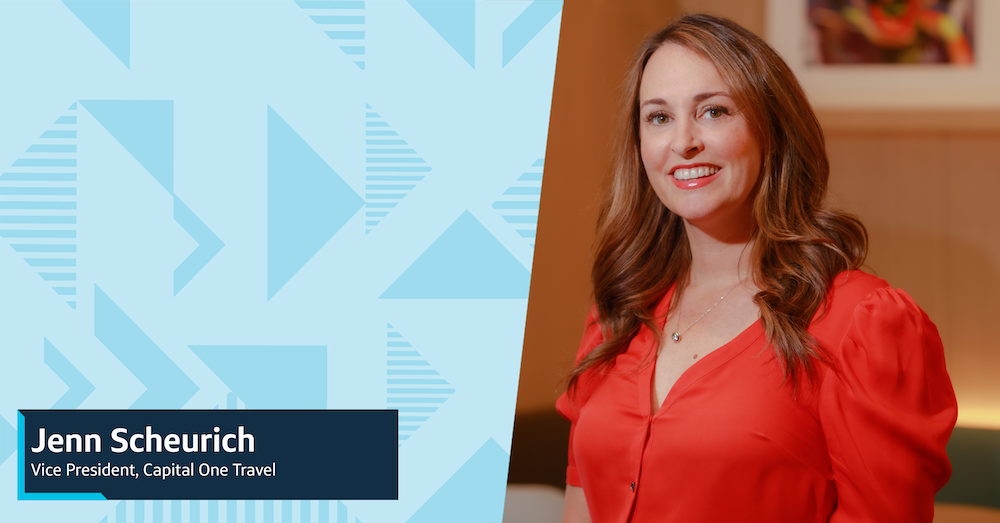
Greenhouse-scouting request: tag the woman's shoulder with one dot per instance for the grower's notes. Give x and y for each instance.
(863, 307)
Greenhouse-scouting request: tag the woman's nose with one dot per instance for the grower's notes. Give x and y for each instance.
(687, 141)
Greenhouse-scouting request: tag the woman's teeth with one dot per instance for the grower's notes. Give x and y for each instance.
(695, 172)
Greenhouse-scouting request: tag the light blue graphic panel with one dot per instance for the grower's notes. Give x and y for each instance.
(219, 204)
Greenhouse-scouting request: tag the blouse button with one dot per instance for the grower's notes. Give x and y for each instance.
(632, 486)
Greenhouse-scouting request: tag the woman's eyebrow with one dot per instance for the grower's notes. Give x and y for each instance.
(701, 97)
(698, 98)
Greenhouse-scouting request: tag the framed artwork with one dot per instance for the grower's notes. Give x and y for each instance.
(890, 54)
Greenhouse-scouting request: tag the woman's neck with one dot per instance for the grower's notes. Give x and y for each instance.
(719, 259)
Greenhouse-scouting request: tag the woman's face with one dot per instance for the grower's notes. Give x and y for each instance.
(701, 157)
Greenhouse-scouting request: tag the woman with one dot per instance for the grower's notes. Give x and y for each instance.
(737, 366)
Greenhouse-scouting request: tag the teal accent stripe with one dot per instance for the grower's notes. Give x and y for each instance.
(353, 50)
(39, 191)
(393, 335)
(38, 177)
(408, 428)
(345, 35)
(44, 162)
(385, 142)
(51, 262)
(526, 233)
(46, 148)
(380, 205)
(61, 276)
(390, 151)
(37, 205)
(539, 163)
(389, 187)
(37, 219)
(59, 134)
(372, 115)
(397, 344)
(376, 214)
(531, 218)
(415, 381)
(43, 247)
(399, 169)
(530, 177)
(338, 19)
(394, 160)
(515, 205)
(37, 234)
(66, 119)
(371, 222)
(419, 391)
(416, 363)
(401, 437)
(330, 4)
(65, 291)
(381, 133)
(376, 124)
(393, 178)
(413, 372)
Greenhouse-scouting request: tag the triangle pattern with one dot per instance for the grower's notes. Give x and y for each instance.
(108, 20)
(392, 168)
(454, 20)
(145, 128)
(526, 26)
(519, 203)
(8, 440)
(270, 376)
(473, 494)
(413, 387)
(465, 262)
(343, 22)
(79, 386)
(38, 206)
(307, 202)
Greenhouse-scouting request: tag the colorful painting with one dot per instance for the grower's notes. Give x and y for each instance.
(891, 32)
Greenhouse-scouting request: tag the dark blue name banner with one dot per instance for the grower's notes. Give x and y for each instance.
(208, 454)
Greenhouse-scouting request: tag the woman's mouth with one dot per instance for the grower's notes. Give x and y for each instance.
(695, 177)
(694, 172)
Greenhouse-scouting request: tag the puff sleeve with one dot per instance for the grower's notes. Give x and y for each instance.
(887, 408)
(569, 404)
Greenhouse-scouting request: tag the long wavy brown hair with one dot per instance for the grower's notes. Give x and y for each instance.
(799, 246)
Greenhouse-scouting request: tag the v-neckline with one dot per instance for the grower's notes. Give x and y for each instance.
(698, 369)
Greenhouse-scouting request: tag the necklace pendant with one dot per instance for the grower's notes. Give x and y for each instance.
(676, 337)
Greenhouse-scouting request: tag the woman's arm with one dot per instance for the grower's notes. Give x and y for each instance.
(575, 510)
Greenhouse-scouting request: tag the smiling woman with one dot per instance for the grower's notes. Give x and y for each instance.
(793, 387)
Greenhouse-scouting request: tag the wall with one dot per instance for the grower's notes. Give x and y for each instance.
(925, 183)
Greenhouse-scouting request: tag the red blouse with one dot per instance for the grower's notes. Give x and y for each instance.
(866, 442)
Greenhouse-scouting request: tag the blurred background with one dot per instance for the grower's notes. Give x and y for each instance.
(924, 181)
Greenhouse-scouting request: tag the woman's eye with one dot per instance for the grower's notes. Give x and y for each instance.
(657, 118)
(716, 112)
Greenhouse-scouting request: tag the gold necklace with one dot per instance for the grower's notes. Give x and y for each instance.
(676, 336)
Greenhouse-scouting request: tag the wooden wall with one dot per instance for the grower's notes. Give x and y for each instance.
(925, 183)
